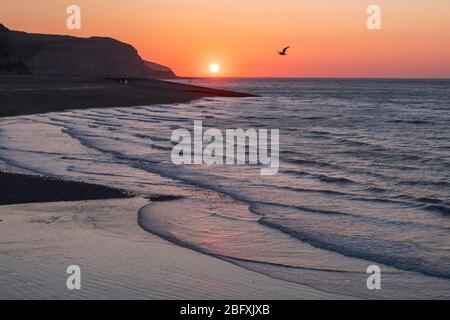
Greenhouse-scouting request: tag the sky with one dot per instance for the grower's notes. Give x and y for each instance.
(329, 38)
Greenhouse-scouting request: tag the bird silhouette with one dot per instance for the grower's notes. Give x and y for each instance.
(284, 51)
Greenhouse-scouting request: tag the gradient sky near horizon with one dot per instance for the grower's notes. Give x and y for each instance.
(329, 38)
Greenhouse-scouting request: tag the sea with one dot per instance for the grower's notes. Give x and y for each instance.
(363, 181)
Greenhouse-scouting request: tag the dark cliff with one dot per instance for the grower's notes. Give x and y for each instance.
(57, 55)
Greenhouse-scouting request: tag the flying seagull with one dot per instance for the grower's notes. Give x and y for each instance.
(283, 52)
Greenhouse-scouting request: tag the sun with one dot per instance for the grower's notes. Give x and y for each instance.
(214, 68)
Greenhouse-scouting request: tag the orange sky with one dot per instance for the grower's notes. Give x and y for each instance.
(329, 37)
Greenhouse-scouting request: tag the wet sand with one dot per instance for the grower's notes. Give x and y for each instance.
(118, 259)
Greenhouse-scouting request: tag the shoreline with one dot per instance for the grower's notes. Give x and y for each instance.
(97, 227)
(31, 94)
(25, 95)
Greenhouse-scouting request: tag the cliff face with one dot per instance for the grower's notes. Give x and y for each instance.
(162, 71)
(10, 61)
(101, 57)
(71, 56)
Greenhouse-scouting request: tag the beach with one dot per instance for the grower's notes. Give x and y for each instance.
(350, 193)
(47, 224)
(118, 259)
(21, 95)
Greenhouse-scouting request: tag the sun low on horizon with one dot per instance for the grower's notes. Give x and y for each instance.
(214, 68)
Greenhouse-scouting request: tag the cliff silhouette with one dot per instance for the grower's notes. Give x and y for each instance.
(61, 55)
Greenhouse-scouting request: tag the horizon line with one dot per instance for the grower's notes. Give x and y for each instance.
(312, 78)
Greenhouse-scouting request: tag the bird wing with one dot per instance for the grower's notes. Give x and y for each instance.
(285, 49)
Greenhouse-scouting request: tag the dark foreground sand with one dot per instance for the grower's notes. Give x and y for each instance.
(18, 188)
(21, 95)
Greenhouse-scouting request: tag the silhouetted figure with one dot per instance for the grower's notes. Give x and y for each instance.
(284, 51)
